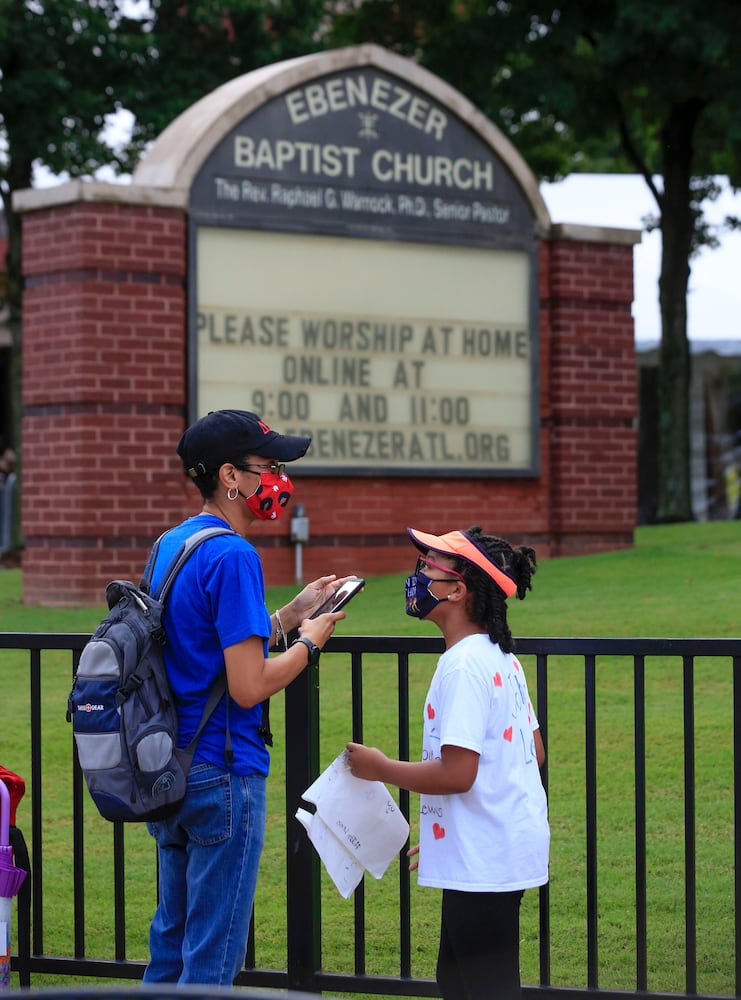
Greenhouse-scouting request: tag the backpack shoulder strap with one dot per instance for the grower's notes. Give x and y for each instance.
(215, 695)
(219, 687)
(181, 556)
(145, 583)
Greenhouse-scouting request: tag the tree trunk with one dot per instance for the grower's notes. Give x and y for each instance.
(677, 227)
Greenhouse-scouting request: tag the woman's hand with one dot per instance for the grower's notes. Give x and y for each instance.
(413, 852)
(314, 594)
(321, 628)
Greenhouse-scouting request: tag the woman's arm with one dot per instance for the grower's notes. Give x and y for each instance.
(252, 678)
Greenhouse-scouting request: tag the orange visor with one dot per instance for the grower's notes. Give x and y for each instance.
(455, 543)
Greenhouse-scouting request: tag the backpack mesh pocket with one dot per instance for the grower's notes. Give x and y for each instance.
(153, 751)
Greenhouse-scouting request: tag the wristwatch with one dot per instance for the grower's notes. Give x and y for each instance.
(314, 650)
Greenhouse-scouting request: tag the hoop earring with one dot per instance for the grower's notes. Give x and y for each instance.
(229, 493)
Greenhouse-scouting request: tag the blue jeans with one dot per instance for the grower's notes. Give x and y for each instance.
(208, 858)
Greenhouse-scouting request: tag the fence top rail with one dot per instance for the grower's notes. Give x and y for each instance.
(550, 645)
(528, 646)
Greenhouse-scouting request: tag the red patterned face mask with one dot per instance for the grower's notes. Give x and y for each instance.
(271, 496)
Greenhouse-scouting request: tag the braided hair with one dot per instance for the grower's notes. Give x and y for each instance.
(489, 602)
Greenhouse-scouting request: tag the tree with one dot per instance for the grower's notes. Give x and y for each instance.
(62, 68)
(198, 45)
(650, 86)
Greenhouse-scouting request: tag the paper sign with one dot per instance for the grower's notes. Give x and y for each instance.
(343, 869)
(357, 825)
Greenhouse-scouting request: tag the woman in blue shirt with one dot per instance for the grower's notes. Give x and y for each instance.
(216, 622)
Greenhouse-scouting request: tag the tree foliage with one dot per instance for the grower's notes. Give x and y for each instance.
(62, 68)
(198, 45)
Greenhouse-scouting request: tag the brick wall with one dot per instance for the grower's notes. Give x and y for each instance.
(105, 404)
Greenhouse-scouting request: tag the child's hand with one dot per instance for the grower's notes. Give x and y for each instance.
(365, 762)
(412, 853)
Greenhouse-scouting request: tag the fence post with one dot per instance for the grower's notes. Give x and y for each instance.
(302, 864)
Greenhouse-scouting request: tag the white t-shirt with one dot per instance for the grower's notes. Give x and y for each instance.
(494, 837)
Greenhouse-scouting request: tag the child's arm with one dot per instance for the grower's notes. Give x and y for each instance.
(454, 771)
(539, 748)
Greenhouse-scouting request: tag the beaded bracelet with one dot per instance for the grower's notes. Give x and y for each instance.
(280, 632)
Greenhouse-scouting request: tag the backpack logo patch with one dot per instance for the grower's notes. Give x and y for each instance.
(163, 784)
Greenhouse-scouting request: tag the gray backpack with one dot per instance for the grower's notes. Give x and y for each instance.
(122, 709)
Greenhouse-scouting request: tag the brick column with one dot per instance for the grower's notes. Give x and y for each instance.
(103, 390)
(593, 390)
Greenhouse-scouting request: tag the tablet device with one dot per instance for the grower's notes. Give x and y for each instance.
(341, 596)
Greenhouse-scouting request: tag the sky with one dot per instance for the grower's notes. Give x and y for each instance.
(622, 200)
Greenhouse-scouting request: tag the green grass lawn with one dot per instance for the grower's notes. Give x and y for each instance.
(680, 580)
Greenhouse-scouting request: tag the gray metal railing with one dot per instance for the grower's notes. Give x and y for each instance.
(596, 659)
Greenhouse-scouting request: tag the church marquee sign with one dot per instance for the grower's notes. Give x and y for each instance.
(363, 269)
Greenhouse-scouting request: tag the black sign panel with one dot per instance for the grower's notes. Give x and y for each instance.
(362, 153)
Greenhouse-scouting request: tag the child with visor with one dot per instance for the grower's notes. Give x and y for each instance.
(484, 833)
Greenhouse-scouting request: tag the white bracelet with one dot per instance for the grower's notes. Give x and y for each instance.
(280, 631)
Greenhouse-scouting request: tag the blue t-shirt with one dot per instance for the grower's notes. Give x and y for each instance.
(217, 600)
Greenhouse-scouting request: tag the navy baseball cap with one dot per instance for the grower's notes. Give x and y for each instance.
(228, 435)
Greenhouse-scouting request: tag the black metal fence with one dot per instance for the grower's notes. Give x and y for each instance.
(598, 692)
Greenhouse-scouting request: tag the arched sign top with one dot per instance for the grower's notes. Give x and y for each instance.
(179, 154)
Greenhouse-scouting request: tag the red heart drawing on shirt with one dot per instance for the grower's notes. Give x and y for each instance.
(438, 832)
(430, 711)
(517, 665)
(497, 679)
(507, 734)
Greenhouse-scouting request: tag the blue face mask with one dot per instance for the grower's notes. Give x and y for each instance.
(420, 599)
